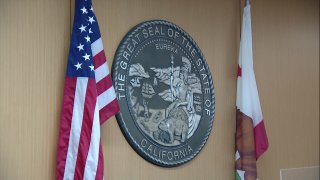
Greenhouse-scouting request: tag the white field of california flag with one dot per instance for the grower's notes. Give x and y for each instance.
(251, 137)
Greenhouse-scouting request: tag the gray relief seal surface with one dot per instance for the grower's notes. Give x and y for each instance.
(165, 93)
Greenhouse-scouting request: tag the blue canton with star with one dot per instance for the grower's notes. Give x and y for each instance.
(85, 31)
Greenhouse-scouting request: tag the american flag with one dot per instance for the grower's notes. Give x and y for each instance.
(89, 100)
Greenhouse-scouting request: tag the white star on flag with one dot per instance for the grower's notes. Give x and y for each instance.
(82, 28)
(80, 47)
(91, 20)
(84, 10)
(91, 67)
(86, 57)
(87, 38)
(78, 66)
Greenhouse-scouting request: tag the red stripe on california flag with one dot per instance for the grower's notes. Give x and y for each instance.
(99, 59)
(86, 129)
(109, 110)
(239, 71)
(100, 168)
(65, 125)
(261, 139)
(104, 84)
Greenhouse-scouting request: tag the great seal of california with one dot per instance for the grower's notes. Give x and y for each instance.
(165, 93)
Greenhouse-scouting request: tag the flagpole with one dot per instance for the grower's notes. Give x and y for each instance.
(247, 3)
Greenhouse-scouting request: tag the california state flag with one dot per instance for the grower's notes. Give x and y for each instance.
(251, 137)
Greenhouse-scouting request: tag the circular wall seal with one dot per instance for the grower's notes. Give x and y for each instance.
(165, 92)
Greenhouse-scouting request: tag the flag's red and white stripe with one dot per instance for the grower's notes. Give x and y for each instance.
(87, 103)
(106, 95)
